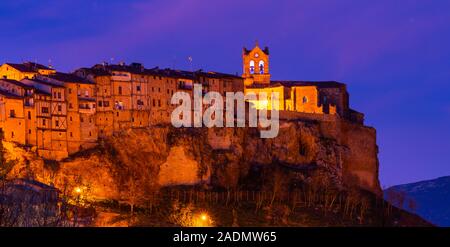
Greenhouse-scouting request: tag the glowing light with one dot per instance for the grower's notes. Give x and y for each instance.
(204, 217)
(203, 220)
(77, 190)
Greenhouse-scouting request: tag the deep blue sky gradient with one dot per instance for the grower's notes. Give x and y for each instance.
(393, 54)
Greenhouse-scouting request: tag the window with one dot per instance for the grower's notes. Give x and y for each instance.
(154, 102)
(29, 131)
(106, 103)
(100, 103)
(86, 93)
(140, 102)
(159, 103)
(119, 105)
(305, 100)
(59, 108)
(252, 67)
(70, 106)
(12, 134)
(261, 67)
(120, 90)
(159, 90)
(29, 115)
(90, 134)
(70, 91)
(71, 135)
(54, 95)
(59, 95)
(81, 119)
(44, 109)
(325, 100)
(138, 88)
(12, 113)
(44, 122)
(57, 123)
(70, 119)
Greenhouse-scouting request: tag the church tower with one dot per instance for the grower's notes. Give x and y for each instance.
(255, 65)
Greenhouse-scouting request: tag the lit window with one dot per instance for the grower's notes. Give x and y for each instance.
(261, 67)
(252, 67)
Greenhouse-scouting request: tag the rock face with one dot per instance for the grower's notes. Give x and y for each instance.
(143, 160)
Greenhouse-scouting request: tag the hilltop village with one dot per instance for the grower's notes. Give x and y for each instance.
(60, 114)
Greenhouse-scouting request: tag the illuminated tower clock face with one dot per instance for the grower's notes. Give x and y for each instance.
(256, 55)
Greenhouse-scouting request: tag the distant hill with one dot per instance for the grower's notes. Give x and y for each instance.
(430, 199)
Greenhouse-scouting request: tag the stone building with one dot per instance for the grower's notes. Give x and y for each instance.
(318, 97)
(60, 114)
(133, 96)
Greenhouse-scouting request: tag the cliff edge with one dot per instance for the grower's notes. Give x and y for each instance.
(151, 158)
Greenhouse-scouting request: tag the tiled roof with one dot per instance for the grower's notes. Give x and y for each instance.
(320, 84)
(9, 95)
(36, 66)
(70, 78)
(94, 71)
(136, 68)
(20, 67)
(214, 74)
(17, 83)
(46, 83)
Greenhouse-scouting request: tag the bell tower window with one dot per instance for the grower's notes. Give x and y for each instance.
(252, 67)
(261, 67)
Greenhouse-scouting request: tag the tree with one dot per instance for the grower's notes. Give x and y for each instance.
(5, 166)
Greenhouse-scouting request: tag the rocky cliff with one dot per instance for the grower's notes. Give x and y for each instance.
(144, 160)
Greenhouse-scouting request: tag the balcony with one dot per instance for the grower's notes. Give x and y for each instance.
(86, 110)
(86, 98)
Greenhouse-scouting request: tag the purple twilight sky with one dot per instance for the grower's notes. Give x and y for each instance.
(394, 55)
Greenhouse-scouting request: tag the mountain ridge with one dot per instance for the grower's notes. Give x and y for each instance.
(427, 198)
